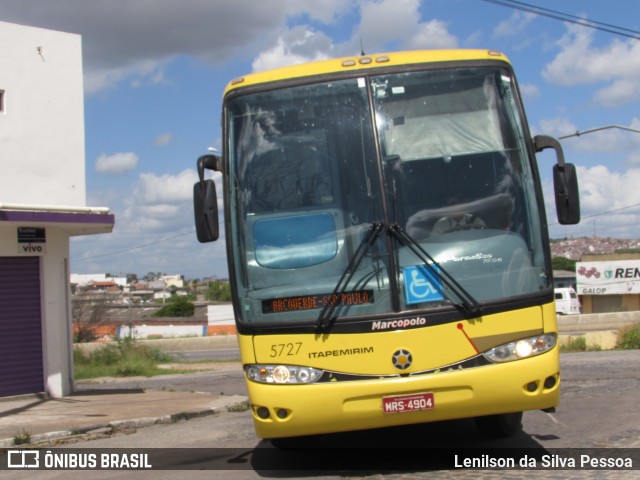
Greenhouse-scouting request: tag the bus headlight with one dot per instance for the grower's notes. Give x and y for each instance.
(281, 374)
(525, 348)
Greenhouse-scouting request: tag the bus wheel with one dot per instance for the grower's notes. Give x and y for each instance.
(500, 426)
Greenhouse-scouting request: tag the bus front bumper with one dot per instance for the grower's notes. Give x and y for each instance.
(297, 410)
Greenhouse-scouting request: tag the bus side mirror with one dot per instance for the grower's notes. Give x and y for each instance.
(565, 182)
(565, 185)
(205, 201)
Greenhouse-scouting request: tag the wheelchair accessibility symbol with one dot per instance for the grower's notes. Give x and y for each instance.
(421, 285)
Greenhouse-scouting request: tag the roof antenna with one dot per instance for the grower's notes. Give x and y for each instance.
(362, 48)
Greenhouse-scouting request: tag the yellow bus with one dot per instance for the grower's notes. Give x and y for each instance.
(387, 243)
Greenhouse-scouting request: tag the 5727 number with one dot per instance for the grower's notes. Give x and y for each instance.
(285, 349)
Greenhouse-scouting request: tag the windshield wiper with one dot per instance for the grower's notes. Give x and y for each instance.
(468, 305)
(326, 318)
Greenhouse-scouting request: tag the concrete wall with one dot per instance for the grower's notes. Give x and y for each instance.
(596, 321)
(42, 125)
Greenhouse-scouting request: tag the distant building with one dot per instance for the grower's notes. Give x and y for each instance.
(609, 283)
(105, 287)
(564, 279)
(173, 281)
(82, 279)
(42, 205)
(86, 279)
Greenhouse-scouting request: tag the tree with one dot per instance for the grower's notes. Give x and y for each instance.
(86, 314)
(152, 276)
(219, 291)
(179, 307)
(562, 263)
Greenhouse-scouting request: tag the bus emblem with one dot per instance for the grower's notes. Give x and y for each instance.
(401, 359)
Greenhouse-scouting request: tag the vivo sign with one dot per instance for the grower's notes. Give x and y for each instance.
(32, 241)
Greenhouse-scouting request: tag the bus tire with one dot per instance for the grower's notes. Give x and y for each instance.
(500, 426)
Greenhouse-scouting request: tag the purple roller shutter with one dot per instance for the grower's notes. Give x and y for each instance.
(21, 368)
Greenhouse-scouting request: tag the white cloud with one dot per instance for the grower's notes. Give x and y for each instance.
(384, 24)
(133, 40)
(165, 189)
(529, 91)
(163, 139)
(296, 46)
(154, 231)
(386, 21)
(605, 196)
(618, 93)
(432, 34)
(580, 62)
(136, 41)
(160, 204)
(515, 24)
(139, 74)
(116, 164)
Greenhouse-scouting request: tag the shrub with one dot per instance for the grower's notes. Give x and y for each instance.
(22, 438)
(629, 337)
(180, 307)
(124, 357)
(84, 332)
(219, 291)
(574, 344)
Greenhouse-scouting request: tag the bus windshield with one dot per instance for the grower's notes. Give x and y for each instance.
(439, 156)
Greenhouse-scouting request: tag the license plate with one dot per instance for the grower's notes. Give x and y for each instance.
(407, 403)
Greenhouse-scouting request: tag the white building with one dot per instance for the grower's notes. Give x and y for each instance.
(42, 205)
(173, 281)
(83, 279)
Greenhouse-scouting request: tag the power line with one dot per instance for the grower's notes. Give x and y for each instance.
(574, 17)
(136, 247)
(566, 17)
(603, 213)
(611, 211)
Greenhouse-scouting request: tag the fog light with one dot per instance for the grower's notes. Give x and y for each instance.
(282, 413)
(532, 386)
(550, 382)
(263, 412)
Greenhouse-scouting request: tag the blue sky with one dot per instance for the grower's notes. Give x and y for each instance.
(155, 71)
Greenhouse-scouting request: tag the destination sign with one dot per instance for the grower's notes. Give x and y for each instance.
(322, 300)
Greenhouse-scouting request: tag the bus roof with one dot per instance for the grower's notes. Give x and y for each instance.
(361, 62)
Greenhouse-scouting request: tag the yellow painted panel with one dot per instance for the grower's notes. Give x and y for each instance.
(372, 353)
(356, 63)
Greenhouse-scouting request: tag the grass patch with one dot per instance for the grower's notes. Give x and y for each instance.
(122, 358)
(22, 438)
(239, 407)
(578, 344)
(629, 337)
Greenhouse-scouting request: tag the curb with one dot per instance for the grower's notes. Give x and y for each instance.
(116, 426)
